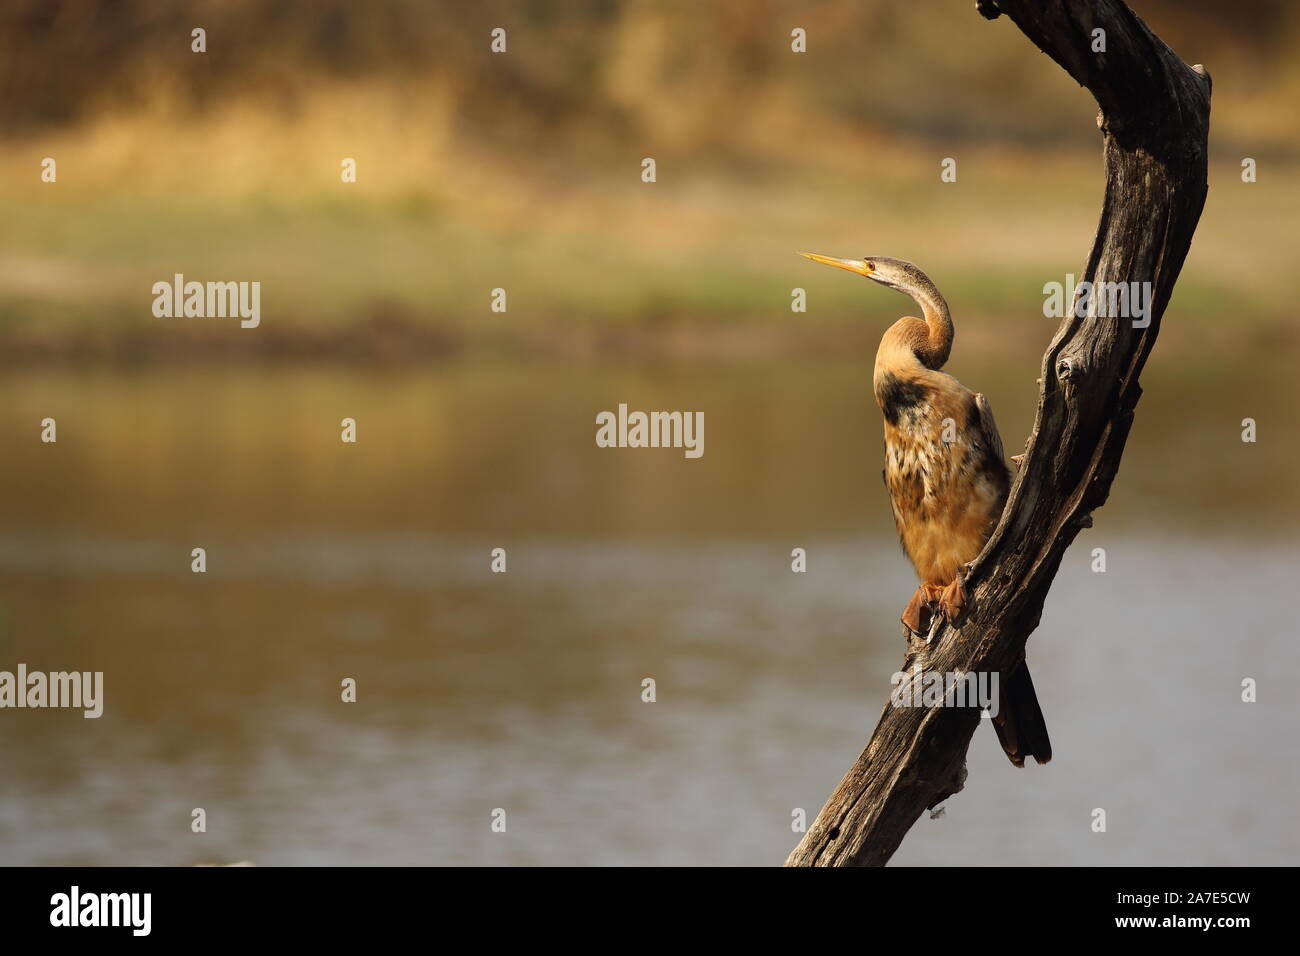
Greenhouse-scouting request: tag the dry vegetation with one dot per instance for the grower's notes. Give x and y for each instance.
(522, 171)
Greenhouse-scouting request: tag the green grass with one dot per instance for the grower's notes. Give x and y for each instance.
(703, 251)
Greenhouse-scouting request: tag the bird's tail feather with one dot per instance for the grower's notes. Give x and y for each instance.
(1020, 726)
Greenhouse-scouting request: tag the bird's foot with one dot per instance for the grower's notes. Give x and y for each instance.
(916, 616)
(919, 613)
(952, 600)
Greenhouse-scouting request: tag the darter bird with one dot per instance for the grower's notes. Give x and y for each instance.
(946, 475)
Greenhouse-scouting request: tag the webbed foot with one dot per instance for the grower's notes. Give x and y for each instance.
(952, 600)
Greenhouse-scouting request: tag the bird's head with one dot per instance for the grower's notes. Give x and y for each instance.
(929, 340)
(895, 273)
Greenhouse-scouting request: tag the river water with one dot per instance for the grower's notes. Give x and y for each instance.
(523, 690)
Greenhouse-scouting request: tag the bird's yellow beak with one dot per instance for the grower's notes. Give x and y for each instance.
(853, 265)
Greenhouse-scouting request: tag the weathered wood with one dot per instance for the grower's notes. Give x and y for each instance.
(1154, 121)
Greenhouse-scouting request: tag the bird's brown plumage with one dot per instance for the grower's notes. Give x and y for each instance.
(944, 464)
(946, 473)
(944, 469)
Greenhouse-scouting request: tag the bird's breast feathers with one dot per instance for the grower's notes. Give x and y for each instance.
(946, 482)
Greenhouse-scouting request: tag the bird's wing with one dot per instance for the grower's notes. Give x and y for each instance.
(989, 428)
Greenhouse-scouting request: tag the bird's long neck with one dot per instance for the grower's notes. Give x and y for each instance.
(931, 347)
(912, 344)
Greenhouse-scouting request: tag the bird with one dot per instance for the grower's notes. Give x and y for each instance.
(946, 474)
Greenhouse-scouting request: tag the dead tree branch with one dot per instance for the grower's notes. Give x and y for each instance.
(1154, 121)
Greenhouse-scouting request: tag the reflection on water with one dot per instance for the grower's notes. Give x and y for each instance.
(523, 690)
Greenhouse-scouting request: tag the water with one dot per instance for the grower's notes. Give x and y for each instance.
(523, 690)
